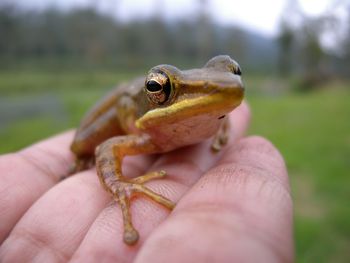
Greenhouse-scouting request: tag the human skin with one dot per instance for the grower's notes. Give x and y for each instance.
(234, 206)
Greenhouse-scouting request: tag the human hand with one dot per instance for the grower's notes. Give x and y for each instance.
(233, 206)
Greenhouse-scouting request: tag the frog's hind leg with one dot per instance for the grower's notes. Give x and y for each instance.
(109, 157)
(88, 136)
(82, 163)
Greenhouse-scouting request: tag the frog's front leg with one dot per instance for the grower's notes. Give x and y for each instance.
(109, 157)
(221, 137)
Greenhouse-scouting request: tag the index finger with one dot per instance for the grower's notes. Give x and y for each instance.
(27, 174)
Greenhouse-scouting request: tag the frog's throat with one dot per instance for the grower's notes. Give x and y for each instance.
(214, 103)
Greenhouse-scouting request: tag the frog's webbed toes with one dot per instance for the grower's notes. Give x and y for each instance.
(123, 193)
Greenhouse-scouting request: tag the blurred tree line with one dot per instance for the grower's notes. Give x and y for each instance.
(84, 37)
(301, 45)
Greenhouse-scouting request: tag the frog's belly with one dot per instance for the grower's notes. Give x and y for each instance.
(169, 136)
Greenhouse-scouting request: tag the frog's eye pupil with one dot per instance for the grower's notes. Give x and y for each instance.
(153, 86)
(158, 87)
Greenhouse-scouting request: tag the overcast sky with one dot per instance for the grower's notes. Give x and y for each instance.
(258, 15)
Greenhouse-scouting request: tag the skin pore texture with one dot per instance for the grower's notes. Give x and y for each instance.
(234, 206)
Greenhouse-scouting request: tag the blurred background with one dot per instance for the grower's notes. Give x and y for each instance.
(58, 57)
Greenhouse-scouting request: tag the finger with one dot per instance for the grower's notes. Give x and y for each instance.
(27, 174)
(184, 166)
(54, 226)
(240, 206)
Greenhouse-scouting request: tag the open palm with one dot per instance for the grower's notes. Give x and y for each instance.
(234, 206)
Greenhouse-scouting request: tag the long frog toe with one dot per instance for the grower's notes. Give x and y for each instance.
(148, 177)
(135, 186)
(141, 189)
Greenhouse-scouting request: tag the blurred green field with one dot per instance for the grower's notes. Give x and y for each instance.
(311, 130)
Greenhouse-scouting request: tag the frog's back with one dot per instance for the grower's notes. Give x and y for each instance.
(101, 121)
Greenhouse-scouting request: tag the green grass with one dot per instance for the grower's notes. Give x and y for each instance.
(313, 133)
(311, 130)
(76, 91)
(13, 82)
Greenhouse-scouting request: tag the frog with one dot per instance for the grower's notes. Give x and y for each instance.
(167, 109)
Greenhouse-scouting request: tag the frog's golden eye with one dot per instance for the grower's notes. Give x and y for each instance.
(158, 87)
(237, 70)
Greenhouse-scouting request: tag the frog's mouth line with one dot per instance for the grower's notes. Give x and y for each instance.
(221, 103)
